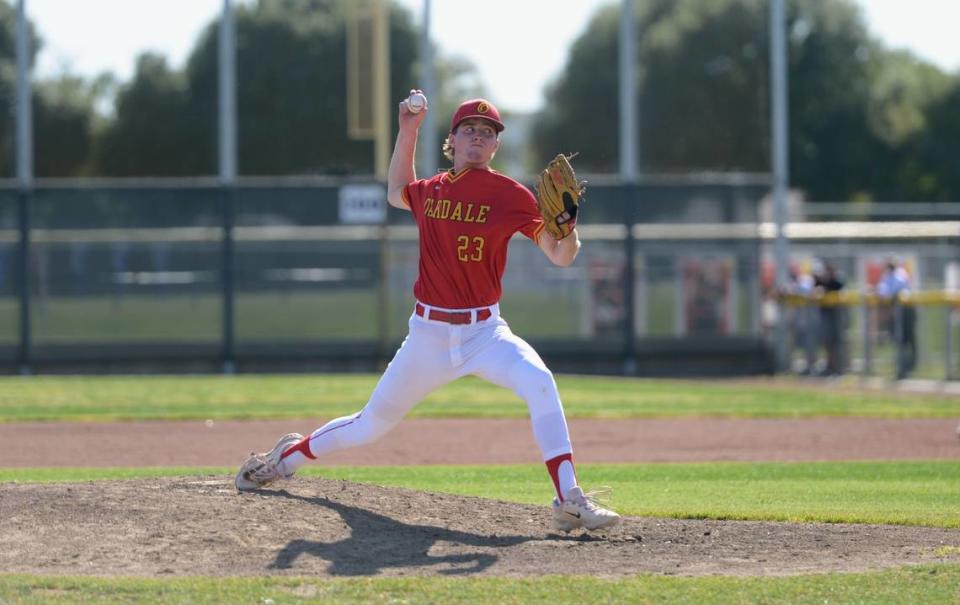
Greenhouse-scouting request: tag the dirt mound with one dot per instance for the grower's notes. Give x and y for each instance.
(315, 527)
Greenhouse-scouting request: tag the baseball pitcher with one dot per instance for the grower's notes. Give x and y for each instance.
(466, 217)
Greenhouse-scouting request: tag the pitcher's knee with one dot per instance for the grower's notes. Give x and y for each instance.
(536, 386)
(538, 381)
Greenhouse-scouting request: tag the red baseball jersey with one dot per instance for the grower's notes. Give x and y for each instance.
(466, 222)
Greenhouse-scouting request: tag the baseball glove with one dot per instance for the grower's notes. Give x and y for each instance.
(559, 194)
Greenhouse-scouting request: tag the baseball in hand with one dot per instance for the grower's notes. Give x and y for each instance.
(416, 102)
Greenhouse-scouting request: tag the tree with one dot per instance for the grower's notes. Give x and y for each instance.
(63, 126)
(935, 173)
(8, 74)
(291, 73)
(832, 61)
(150, 133)
(906, 113)
(702, 69)
(701, 73)
(62, 111)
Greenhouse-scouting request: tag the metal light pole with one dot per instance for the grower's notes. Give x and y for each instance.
(228, 96)
(24, 142)
(628, 94)
(228, 176)
(628, 174)
(780, 162)
(428, 146)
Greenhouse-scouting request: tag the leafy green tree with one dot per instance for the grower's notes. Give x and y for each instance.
(148, 135)
(702, 69)
(832, 61)
(8, 79)
(581, 104)
(291, 74)
(8, 76)
(902, 89)
(906, 95)
(701, 74)
(63, 124)
(934, 171)
(62, 111)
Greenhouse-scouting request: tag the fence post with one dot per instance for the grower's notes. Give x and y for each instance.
(227, 273)
(23, 262)
(383, 291)
(811, 334)
(629, 285)
(898, 337)
(23, 108)
(865, 338)
(948, 353)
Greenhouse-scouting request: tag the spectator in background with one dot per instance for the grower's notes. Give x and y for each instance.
(901, 319)
(704, 307)
(803, 318)
(833, 318)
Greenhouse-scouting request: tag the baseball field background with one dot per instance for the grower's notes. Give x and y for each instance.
(119, 490)
(221, 208)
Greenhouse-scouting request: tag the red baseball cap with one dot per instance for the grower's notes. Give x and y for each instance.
(477, 108)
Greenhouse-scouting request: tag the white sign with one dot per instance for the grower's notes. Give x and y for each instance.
(951, 276)
(363, 204)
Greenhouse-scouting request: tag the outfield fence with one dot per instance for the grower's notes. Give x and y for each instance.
(318, 274)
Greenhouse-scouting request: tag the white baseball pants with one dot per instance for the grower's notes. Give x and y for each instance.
(436, 353)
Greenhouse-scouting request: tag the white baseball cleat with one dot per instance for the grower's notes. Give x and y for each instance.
(262, 469)
(581, 510)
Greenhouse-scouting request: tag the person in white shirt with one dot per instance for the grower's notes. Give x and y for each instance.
(804, 319)
(893, 286)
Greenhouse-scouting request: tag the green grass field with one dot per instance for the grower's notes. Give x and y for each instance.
(297, 316)
(916, 585)
(899, 493)
(272, 316)
(908, 493)
(262, 396)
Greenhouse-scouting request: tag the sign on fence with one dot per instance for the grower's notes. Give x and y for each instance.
(363, 204)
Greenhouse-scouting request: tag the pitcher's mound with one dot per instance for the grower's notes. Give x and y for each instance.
(317, 527)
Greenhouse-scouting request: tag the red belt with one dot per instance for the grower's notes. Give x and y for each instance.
(452, 317)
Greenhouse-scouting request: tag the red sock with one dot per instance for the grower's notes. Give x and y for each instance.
(553, 467)
(302, 446)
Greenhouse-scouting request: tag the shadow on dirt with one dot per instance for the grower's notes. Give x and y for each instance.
(377, 542)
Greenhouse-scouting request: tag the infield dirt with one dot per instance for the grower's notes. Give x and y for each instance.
(485, 441)
(316, 527)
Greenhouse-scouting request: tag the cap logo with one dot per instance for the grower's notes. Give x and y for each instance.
(482, 107)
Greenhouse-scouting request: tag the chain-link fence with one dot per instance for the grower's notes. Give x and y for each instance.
(276, 272)
(675, 277)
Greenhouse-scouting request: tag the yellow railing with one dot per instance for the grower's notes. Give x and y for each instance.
(869, 303)
(856, 299)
